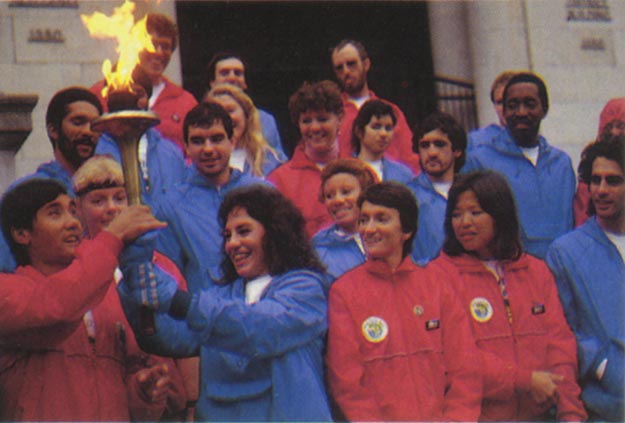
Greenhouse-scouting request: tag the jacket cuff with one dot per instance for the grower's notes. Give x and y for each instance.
(180, 304)
(522, 380)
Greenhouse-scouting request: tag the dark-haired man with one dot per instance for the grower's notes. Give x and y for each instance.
(441, 143)
(168, 100)
(588, 267)
(229, 67)
(351, 63)
(65, 355)
(193, 237)
(68, 123)
(540, 175)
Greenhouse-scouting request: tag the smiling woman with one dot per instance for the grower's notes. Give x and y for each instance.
(528, 350)
(260, 333)
(316, 109)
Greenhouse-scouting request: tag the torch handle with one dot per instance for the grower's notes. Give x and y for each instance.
(146, 321)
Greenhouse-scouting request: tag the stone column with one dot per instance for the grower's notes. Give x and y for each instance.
(15, 125)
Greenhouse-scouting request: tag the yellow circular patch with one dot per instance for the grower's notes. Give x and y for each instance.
(481, 309)
(374, 329)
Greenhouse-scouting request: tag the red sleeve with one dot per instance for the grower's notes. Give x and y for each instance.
(345, 365)
(32, 303)
(561, 352)
(401, 149)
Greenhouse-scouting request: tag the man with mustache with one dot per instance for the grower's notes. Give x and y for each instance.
(68, 123)
(441, 143)
(351, 63)
(540, 175)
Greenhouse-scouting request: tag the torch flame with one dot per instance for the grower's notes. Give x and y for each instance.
(131, 40)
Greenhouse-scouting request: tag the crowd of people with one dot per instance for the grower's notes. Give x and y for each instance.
(378, 274)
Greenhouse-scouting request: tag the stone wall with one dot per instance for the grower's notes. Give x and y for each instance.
(45, 47)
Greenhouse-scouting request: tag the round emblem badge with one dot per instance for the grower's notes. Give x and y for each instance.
(374, 329)
(481, 309)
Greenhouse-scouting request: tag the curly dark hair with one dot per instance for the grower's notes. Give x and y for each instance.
(357, 168)
(318, 96)
(59, 104)
(19, 208)
(371, 108)
(495, 198)
(607, 146)
(449, 126)
(286, 244)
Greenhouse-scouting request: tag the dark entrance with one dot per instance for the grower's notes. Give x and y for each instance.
(286, 43)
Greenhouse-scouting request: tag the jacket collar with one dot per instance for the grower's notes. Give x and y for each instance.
(381, 269)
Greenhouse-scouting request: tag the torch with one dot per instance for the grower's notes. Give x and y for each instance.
(126, 127)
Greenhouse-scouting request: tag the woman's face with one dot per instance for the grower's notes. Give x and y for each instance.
(319, 129)
(377, 135)
(243, 237)
(473, 227)
(237, 114)
(340, 196)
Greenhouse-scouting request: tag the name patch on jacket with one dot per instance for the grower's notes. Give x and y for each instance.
(432, 324)
(374, 329)
(538, 309)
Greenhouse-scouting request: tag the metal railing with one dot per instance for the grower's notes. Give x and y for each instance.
(457, 97)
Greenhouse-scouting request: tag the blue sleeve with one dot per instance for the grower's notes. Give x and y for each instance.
(472, 163)
(173, 338)
(590, 348)
(271, 133)
(7, 262)
(107, 145)
(291, 314)
(167, 242)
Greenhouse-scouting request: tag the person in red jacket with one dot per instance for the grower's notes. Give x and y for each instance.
(400, 346)
(168, 100)
(529, 354)
(351, 64)
(101, 196)
(317, 111)
(65, 351)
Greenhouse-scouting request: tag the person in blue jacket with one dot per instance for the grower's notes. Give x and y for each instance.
(441, 143)
(261, 333)
(339, 246)
(68, 123)
(589, 270)
(161, 163)
(372, 133)
(486, 133)
(193, 236)
(540, 175)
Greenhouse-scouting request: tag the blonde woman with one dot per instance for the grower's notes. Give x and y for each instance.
(252, 153)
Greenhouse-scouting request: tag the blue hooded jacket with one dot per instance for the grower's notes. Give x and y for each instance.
(590, 272)
(543, 193)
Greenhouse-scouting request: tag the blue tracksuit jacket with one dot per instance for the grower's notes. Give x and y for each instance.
(543, 193)
(166, 166)
(590, 274)
(193, 237)
(259, 362)
(337, 252)
(430, 229)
